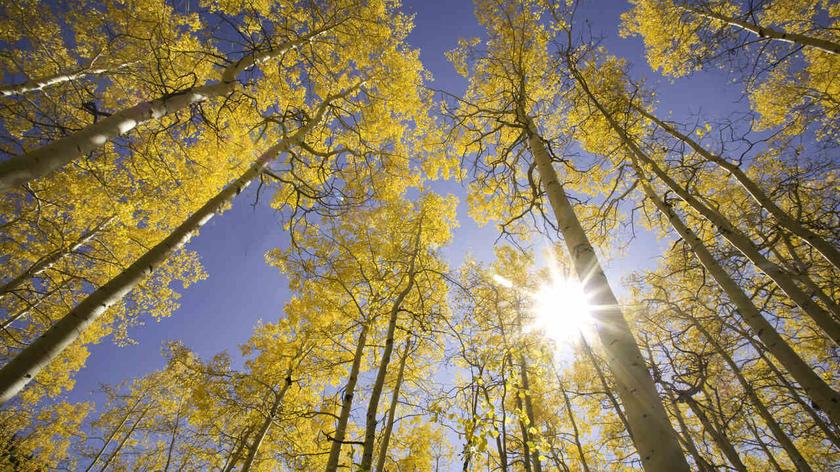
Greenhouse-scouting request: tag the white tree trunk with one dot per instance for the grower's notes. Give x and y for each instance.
(266, 424)
(379, 383)
(815, 387)
(736, 238)
(776, 429)
(26, 364)
(831, 254)
(40, 83)
(56, 154)
(654, 437)
(768, 33)
(347, 402)
(392, 410)
(49, 260)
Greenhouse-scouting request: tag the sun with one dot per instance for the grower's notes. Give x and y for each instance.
(562, 310)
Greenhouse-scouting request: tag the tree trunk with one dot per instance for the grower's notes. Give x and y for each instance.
(799, 271)
(767, 452)
(56, 154)
(575, 430)
(529, 407)
(50, 259)
(778, 433)
(523, 429)
(826, 249)
(237, 451)
(379, 383)
(735, 237)
(40, 83)
(113, 434)
(794, 393)
(347, 402)
(719, 437)
(26, 364)
(817, 389)
(702, 464)
(174, 436)
(392, 411)
(128, 434)
(768, 33)
(607, 389)
(654, 437)
(266, 424)
(500, 448)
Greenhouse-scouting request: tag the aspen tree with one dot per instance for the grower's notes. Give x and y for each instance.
(56, 154)
(817, 389)
(517, 44)
(26, 365)
(785, 220)
(788, 53)
(727, 230)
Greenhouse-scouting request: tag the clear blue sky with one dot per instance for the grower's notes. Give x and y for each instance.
(219, 313)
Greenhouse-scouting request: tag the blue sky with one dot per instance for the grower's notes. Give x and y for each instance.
(219, 313)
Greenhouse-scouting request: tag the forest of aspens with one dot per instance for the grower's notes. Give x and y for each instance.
(420, 235)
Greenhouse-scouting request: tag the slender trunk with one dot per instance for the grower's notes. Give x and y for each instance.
(379, 383)
(702, 464)
(113, 434)
(768, 33)
(347, 401)
(794, 393)
(720, 439)
(607, 389)
(26, 364)
(828, 251)
(800, 273)
(503, 436)
(735, 237)
(818, 390)
(470, 433)
(529, 407)
(174, 436)
(392, 410)
(523, 429)
(575, 430)
(51, 259)
(237, 451)
(125, 438)
(40, 83)
(655, 438)
(767, 452)
(500, 448)
(266, 424)
(31, 306)
(56, 154)
(778, 433)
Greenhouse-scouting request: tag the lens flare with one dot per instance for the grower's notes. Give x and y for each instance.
(562, 310)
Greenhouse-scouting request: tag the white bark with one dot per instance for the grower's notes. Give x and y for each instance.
(49, 260)
(831, 253)
(56, 154)
(768, 33)
(40, 83)
(347, 402)
(266, 424)
(718, 436)
(776, 429)
(736, 238)
(379, 383)
(815, 387)
(26, 364)
(392, 411)
(654, 437)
